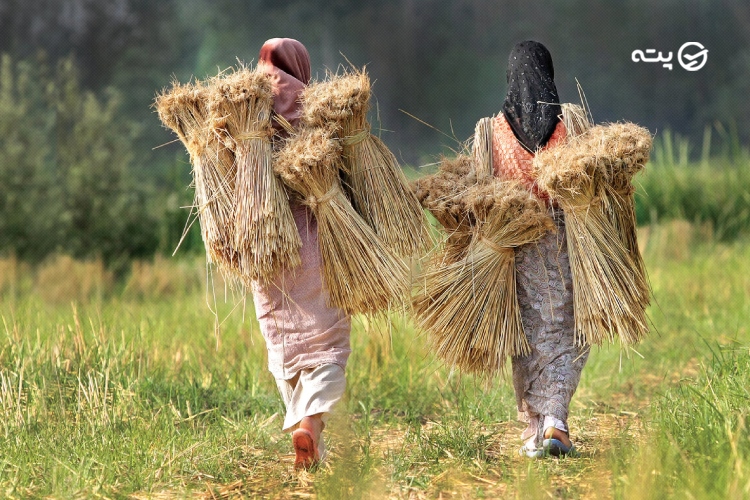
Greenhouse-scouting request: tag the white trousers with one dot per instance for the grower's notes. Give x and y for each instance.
(311, 391)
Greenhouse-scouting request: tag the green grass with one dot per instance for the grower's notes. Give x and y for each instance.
(134, 394)
(712, 192)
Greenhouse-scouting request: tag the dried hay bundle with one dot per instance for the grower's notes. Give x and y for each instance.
(183, 109)
(361, 274)
(629, 147)
(631, 144)
(469, 305)
(380, 191)
(265, 234)
(609, 295)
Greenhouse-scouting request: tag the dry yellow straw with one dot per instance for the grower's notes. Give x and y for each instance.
(608, 296)
(626, 148)
(441, 194)
(465, 298)
(380, 191)
(183, 108)
(575, 119)
(360, 273)
(482, 149)
(469, 307)
(264, 230)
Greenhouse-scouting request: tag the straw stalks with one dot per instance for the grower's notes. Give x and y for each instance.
(482, 148)
(469, 306)
(610, 291)
(183, 108)
(379, 189)
(629, 147)
(265, 234)
(465, 298)
(360, 273)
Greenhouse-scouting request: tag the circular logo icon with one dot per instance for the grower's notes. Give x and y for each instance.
(692, 62)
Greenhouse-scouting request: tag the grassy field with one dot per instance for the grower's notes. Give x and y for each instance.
(137, 391)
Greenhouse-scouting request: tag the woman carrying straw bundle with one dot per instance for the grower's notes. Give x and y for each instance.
(545, 379)
(307, 340)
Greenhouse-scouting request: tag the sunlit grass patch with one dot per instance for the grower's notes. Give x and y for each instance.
(141, 394)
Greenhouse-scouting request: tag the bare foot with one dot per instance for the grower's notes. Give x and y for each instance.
(305, 441)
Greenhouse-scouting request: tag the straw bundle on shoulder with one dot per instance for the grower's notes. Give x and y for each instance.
(443, 192)
(361, 274)
(608, 297)
(265, 234)
(627, 148)
(469, 306)
(183, 108)
(629, 145)
(379, 188)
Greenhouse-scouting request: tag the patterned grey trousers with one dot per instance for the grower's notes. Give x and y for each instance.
(546, 379)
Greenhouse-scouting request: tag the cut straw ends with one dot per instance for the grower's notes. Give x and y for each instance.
(330, 103)
(306, 154)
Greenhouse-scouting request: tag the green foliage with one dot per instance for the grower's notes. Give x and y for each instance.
(714, 191)
(703, 425)
(66, 181)
(698, 445)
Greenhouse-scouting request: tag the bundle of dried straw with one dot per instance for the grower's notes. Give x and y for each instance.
(465, 297)
(265, 234)
(610, 291)
(482, 149)
(380, 192)
(443, 193)
(183, 108)
(629, 146)
(469, 306)
(361, 274)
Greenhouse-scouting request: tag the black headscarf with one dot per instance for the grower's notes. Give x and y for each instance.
(532, 106)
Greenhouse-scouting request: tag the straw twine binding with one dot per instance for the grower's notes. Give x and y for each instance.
(589, 178)
(361, 274)
(378, 187)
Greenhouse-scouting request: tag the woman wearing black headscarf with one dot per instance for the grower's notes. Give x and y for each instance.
(546, 379)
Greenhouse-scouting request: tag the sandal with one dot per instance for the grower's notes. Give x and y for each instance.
(557, 448)
(530, 451)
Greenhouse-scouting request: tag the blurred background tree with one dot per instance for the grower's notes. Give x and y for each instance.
(441, 61)
(66, 157)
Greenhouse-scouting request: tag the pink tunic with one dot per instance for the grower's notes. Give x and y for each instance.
(300, 329)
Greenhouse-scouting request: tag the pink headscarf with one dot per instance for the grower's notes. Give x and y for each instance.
(288, 63)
